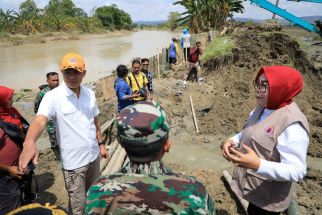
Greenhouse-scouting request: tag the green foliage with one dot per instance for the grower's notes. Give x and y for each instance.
(173, 20)
(113, 18)
(218, 47)
(203, 15)
(61, 15)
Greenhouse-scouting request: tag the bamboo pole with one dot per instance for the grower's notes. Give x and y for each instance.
(119, 162)
(111, 149)
(194, 116)
(242, 201)
(114, 159)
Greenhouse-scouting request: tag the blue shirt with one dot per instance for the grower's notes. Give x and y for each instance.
(122, 89)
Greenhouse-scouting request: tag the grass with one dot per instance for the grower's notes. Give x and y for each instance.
(218, 47)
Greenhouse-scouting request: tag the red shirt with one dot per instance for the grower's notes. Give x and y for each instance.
(9, 151)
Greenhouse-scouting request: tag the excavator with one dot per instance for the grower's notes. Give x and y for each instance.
(290, 17)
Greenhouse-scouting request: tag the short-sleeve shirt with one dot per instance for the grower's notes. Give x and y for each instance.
(142, 80)
(122, 90)
(74, 121)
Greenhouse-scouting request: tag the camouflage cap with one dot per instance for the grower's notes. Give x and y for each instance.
(142, 129)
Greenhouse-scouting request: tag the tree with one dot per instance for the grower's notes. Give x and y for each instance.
(173, 20)
(207, 14)
(113, 18)
(8, 19)
(28, 10)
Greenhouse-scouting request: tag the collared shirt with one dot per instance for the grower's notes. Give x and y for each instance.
(122, 89)
(142, 81)
(292, 145)
(50, 124)
(74, 121)
(152, 168)
(149, 76)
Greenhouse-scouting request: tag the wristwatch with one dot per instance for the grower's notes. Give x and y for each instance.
(101, 143)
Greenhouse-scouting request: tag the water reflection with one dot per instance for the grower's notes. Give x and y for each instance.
(26, 66)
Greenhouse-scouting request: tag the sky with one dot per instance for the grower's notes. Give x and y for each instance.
(155, 10)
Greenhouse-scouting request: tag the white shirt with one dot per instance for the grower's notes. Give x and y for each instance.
(74, 121)
(292, 145)
(186, 40)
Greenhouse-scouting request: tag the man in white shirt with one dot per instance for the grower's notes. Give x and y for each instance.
(74, 111)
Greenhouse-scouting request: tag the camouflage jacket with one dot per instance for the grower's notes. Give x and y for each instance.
(148, 189)
(50, 125)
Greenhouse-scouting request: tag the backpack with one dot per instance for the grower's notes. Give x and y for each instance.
(172, 50)
(14, 132)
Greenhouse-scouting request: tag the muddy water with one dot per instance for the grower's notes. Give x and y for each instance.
(208, 156)
(26, 66)
(198, 156)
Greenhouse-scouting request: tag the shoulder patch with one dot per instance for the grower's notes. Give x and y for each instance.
(269, 130)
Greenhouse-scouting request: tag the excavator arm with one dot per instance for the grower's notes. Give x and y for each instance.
(314, 1)
(288, 16)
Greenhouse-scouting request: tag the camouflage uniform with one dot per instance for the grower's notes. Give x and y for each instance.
(146, 188)
(51, 130)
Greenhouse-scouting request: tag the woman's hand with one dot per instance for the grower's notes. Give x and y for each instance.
(249, 160)
(229, 143)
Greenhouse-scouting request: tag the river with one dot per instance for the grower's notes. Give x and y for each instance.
(26, 66)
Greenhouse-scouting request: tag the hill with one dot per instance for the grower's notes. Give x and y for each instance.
(153, 23)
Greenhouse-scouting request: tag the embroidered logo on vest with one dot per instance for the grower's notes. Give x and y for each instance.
(269, 131)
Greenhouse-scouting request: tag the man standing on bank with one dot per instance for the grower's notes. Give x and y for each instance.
(52, 83)
(74, 110)
(145, 69)
(138, 82)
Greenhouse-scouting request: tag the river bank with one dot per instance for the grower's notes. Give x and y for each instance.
(25, 67)
(9, 40)
(222, 103)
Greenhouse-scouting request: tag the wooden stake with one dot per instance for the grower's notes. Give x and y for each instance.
(158, 64)
(194, 116)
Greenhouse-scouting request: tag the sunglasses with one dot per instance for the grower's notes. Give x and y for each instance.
(145, 64)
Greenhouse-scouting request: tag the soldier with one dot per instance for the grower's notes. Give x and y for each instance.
(145, 185)
(52, 82)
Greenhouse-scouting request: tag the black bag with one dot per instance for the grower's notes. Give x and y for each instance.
(29, 190)
(14, 132)
(142, 91)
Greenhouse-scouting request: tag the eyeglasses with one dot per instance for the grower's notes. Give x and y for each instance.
(261, 86)
(145, 64)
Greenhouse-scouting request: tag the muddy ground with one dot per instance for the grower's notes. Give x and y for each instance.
(222, 103)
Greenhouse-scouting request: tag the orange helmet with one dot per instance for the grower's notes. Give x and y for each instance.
(72, 61)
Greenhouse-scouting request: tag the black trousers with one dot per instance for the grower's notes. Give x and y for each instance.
(254, 210)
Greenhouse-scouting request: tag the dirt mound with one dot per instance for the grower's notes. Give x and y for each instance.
(231, 77)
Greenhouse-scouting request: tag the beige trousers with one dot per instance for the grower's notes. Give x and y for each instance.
(77, 182)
